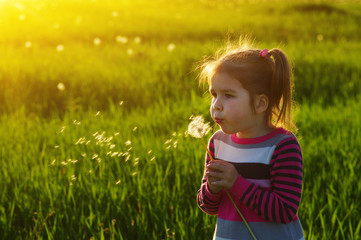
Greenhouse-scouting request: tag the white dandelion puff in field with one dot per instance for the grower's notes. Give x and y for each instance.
(97, 41)
(59, 48)
(137, 40)
(121, 39)
(121, 103)
(97, 114)
(118, 182)
(197, 127)
(130, 51)
(28, 44)
(170, 47)
(135, 128)
(60, 86)
(128, 143)
(76, 122)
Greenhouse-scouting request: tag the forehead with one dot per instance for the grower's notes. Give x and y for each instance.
(223, 81)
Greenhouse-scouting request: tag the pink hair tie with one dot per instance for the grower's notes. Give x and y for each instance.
(264, 53)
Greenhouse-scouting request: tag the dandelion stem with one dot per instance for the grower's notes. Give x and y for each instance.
(209, 153)
(229, 195)
(240, 214)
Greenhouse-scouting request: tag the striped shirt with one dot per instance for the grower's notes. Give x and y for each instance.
(267, 190)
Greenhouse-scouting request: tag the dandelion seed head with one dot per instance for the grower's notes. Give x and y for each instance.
(128, 143)
(121, 103)
(197, 127)
(97, 41)
(170, 47)
(60, 48)
(97, 114)
(28, 44)
(61, 86)
(135, 128)
(130, 51)
(137, 39)
(121, 39)
(118, 182)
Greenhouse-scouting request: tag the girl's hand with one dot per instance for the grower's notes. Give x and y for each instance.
(220, 174)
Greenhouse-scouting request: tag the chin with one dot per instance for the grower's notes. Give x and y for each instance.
(227, 131)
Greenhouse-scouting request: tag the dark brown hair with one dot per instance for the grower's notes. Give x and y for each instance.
(270, 75)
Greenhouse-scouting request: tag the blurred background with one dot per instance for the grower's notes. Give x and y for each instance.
(95, 97)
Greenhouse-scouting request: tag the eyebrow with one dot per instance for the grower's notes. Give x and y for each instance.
(224, 90)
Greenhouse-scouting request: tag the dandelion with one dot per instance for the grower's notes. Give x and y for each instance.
(170, 47)
(56, 146)
(121, 39)
(198, 128)
(28, 44)
(60, 48)
(127, 143)
(61, 86)
(76, 122)
(135, 128)
(137, 40)
(118, 182)
(130, 51)
(97, 114)
(152, 159)
(97, 41)
(121, 103)
(95, 156)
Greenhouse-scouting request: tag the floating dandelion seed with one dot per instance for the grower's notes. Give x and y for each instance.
(61, 86)
(60, 48)
(97, 41)
(118, 182)
(197, 127)
(97, 114)
(127, 143)
(28, 44)
(121, 103)
(170, 47)
(135, 128)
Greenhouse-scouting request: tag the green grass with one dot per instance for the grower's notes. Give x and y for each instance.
(73, 161)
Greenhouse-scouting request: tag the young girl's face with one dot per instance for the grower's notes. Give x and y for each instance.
(230, 107)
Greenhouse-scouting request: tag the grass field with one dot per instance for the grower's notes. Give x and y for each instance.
(95, 98)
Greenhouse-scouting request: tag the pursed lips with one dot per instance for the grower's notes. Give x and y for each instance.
(218, 120)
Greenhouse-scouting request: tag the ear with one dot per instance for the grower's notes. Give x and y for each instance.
(261, 103)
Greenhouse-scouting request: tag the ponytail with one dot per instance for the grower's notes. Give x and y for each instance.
(281, 89)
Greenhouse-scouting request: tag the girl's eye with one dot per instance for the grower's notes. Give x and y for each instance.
(228, 95)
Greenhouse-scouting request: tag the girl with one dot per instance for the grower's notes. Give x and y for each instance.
(257, 160)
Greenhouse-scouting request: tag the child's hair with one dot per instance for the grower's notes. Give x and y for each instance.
(270, 75)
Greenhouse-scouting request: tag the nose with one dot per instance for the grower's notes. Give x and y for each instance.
(217, 104)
